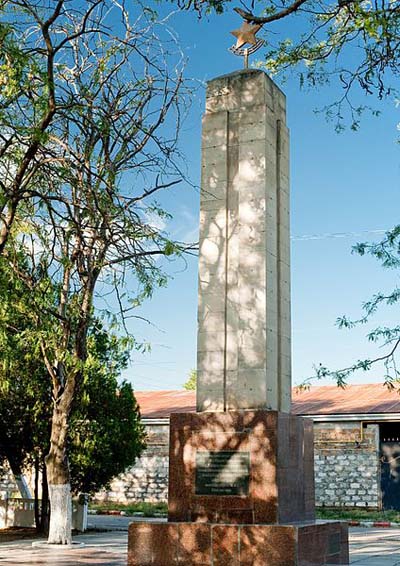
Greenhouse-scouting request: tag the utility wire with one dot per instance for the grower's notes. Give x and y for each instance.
(332, 235)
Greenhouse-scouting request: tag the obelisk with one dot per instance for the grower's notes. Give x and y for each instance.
(241, 468)
(243, 359)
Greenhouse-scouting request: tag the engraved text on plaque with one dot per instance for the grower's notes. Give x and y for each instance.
(224, 472)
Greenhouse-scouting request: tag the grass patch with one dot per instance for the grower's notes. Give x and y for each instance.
(157, 509)
(357, 514)
(148, 509)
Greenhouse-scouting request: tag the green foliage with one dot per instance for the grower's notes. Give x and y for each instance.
(191, 383)
(105, 432)
(387, 252)
(357, 514)
(23, 390)
(22, 420)
(82, 150)
(208, 6)
(356, 44)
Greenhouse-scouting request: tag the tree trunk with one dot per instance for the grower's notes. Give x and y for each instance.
(44, 512)
(41, 511)
(60, 528)
(38, 521)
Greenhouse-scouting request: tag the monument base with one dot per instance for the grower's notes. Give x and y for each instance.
(207, 544)
(276, 486)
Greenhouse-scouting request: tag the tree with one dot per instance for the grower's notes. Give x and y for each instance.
(355, 42)
(105, 435)
(92, 232)
(191, 383)
(36, 39)
(387, 252)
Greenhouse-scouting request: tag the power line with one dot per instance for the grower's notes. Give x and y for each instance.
(333, 235)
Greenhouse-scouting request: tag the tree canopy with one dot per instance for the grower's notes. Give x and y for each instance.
(191, 382)
(88, 139)
(387, 253)
(355, 42)
(105, 435)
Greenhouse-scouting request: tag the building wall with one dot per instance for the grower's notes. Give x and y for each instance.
(347, 471)
(346, 468)
(8, 487)
(148, 479)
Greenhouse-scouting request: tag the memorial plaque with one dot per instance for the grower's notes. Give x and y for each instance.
(222, 473)
(334, 544)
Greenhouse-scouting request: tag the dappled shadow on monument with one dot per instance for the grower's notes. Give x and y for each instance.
(244, 331)
(281, 482)
(168, 544)
(222, 432)
(244, 318)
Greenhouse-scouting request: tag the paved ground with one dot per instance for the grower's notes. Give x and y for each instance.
(374, 547)
(369, 547)
(101, 549)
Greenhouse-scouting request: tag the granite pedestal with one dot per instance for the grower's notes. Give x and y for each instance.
(241, 493)
(241, 467)
(207, 544)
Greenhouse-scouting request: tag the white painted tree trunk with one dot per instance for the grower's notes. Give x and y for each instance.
(60, 531)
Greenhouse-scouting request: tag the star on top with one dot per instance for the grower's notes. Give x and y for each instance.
(246, 34)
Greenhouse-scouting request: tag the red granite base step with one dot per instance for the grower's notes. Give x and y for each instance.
(206, 544)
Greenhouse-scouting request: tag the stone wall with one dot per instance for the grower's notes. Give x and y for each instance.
(347, 472)
(346, 468)
(8, 487)
(148, 479)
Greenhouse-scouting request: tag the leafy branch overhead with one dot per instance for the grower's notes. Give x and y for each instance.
(387, 252)
(355, 42)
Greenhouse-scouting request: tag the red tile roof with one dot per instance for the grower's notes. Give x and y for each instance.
(318, 400)
(369, 398)
(159, 404)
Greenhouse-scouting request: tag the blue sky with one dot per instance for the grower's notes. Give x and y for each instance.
(344, 183)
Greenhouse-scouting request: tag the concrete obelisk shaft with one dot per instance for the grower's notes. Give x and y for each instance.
(244, 347)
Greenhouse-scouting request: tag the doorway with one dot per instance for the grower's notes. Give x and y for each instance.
(390, 465)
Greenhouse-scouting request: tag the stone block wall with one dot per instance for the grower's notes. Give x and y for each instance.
(148, 479)
(8, 487)
(347, 471)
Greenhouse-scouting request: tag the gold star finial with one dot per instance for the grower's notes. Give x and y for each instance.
(246, 34)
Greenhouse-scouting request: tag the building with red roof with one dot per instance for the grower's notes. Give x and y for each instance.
(356, 445)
